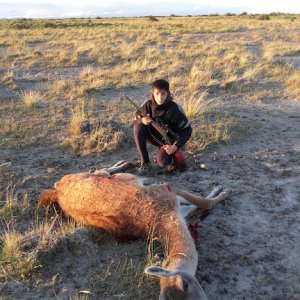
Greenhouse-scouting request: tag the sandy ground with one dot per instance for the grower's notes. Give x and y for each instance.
(249, 246)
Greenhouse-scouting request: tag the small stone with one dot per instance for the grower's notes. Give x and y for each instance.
(203, 283)
(259, 297)
(226, 242)
(249, 261)
(296, 296)
(207, 278)
(229, 233)
(51, 170)
(213, 257)
(227, 266)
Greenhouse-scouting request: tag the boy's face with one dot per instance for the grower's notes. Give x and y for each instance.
(160, 96)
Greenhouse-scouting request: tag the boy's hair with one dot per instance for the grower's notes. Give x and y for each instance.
(161, 84)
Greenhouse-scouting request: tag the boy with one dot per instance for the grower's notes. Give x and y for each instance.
(163, 110)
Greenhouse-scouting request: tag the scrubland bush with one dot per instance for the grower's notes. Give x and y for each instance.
(263, 17)
(153, 19)
(229, 14)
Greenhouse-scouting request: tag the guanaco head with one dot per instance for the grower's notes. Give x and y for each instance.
(177, 285)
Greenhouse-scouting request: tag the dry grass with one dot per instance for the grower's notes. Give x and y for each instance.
(131, 52)
(104, 138)
(279, 48)
(8, 79)
(130, 278)
(88, 135)
(209, 129)
(20, 249)
(15, 263)
(30, 98)
(78, 69)
(197, 105)
(10, 204)
(79, 296)
(76, 119)
(7, 126)
(292, 83)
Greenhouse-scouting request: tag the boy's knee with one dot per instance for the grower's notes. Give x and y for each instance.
(162, 158)
(138, 127)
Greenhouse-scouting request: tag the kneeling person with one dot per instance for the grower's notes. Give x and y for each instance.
(170, 116)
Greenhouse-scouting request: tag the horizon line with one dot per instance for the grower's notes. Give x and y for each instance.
(245, 13)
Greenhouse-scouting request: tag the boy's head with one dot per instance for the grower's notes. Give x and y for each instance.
(160, 90)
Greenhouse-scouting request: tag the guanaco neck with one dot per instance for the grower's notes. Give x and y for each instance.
(179, 245)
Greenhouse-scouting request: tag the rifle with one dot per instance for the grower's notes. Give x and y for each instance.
(162, 129)
(178, 156)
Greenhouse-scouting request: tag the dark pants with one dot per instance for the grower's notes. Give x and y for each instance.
(142, 135)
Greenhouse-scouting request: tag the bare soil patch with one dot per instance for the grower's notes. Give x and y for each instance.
(248, 246)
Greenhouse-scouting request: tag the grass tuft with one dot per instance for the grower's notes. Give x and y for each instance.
(77, 117)
(103, 139)
(30, 98)
(195, 105)
(292, 83)
(16, 262)
(210, 129)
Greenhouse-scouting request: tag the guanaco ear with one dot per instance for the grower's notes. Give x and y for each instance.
(159, 271)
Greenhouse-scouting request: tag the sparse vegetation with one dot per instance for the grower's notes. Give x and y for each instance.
(129, 276)
(152, 18)
(30, 98)
(263, 18)
(104, 138)
(194, 106)
(209, 129)
(61, 83)
(292, 83)
(9, 80)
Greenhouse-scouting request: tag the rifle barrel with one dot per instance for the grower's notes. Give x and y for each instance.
(132, 102)
(157, 127)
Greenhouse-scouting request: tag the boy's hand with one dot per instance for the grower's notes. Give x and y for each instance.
(146, 120)
(170, 149)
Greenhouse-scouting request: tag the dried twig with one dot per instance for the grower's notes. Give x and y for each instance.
(5, 164)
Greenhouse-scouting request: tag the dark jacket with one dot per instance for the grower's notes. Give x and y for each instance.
(172, 115)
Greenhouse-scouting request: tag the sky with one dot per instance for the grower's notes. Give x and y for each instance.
(127, 8)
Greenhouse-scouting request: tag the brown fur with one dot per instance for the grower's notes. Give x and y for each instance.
(116, 204)
(48, 197)
(123, 207)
